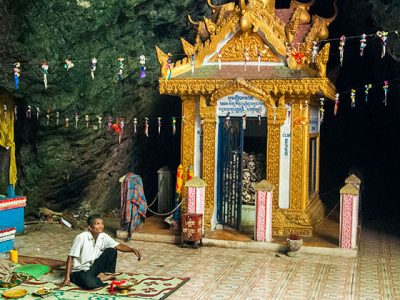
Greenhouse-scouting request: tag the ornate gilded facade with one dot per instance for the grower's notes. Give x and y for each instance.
(265, 53)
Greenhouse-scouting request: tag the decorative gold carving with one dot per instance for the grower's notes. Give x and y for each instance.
(208, 113)
(202, 33)
(245, 23)
(178, 67)
(300, 16)
(266, 26)
(268, 5)
(187, 47)
(318, 31)
(235, 48)
(267, 29)
(322, 60)
(304, 13)
(221, 12)
(238, 85)
(211, 27)
(162, 60)
(273, 163)
(188, 133)
(308, 86)
(299, 157)
(293, 24)
(259, 15)
(316, 209)
(264, 22)
(276, 115)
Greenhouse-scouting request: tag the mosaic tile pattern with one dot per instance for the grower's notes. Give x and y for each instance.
(226, 273)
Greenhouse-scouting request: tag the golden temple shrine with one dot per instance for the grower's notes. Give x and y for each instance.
(251, 86)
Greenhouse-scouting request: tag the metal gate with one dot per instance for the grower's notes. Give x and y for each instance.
(230, 172)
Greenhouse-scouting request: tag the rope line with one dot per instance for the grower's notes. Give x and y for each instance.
(168, 213)
(155, 198)
(359, 36)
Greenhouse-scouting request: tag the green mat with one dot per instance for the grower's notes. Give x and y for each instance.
(34, 270)
(145, 287)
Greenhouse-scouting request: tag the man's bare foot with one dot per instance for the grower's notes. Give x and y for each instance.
(103, 277)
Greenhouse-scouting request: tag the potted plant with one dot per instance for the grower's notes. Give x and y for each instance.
(294, 243)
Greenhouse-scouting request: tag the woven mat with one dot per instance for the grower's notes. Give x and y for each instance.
(145, 287)
(52, 263)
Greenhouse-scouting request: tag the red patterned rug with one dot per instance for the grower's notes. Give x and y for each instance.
(143, 286)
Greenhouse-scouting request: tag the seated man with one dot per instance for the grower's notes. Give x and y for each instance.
(93, 253)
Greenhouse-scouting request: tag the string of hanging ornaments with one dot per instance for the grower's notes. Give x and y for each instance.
(118, 127)
(69, 64)
(115, 126)
(383, 36)
(353, 92)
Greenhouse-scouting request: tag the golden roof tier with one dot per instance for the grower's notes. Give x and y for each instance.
(282, 42)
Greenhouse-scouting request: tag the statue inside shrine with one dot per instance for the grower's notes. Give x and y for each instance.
(253, 166)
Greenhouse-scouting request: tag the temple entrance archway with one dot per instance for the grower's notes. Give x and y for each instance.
(241, 158)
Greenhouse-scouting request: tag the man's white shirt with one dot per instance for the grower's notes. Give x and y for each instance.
(85, 250)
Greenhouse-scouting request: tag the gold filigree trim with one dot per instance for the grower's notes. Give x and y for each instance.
(187, 47)
(208, 113)
(234, 50)
(304, 86)
(261, 19)
(239, 85)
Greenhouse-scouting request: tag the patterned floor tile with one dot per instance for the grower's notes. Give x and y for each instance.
(226, 273)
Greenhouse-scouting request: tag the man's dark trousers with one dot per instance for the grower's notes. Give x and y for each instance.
(106, 263)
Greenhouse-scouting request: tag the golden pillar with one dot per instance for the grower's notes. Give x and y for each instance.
(296, 216)
(187, 136)
(187, 131)
(208, 113)
(299, 165)
(275, 119)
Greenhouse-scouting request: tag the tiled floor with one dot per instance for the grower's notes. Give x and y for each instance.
(326, 233)
(221, 273)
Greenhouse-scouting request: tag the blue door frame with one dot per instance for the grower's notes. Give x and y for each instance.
(229, 188)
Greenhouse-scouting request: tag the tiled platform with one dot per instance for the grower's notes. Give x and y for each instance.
(324, 241)
(228, 273)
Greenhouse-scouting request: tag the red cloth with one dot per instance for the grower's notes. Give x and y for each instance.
(114, 284)
(116, 127)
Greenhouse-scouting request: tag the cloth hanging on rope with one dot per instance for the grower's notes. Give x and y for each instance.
(7, 133)
(133, 203)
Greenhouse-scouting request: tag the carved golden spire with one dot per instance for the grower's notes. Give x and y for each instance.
(210, 25)
(188, 48)
(162, 60)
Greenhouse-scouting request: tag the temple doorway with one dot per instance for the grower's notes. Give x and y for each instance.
(241, 164)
